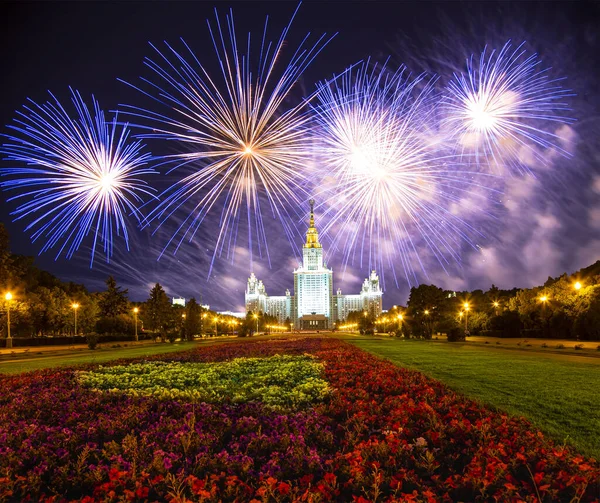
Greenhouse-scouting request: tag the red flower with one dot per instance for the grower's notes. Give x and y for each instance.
(283, 488)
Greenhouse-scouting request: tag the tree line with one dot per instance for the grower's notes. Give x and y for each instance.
(565, 307)
(43, 305)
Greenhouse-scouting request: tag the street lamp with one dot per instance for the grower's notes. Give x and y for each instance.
(216, 326)
(496, 305)
(135, 313)
(256, 318)
(204, 315)
(466, 306)
(400, 318)
(75, 306)
(8, 298)
(577, 285)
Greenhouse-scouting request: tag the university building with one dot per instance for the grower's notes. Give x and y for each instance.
(313, 305)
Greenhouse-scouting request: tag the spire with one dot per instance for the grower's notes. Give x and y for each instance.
(312, 235)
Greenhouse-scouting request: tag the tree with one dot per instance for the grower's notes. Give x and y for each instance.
(113, 301)
(193, 313)
(157, 310)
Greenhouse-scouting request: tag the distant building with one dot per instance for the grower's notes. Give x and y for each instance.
(369, 299)
(178, 301)
(313, 306)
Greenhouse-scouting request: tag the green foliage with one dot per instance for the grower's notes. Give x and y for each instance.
(193, 320)
(277, 381)
(452, 328)
(157, 312)
(92, 340)
(113, 301)
(122, 324)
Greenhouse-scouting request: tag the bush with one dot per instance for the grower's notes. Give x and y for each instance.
(92, 340)
(172, 336)
(122, 324)
(508, 324)
(452, 329)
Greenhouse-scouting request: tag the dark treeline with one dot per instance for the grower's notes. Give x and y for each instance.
(566, 307)
(43, 305)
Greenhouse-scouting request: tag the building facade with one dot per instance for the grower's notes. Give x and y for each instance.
(313, 305)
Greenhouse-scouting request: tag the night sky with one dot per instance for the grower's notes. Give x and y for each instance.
(540, 226)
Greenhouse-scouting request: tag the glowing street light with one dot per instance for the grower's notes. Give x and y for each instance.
(8, 298)
(216, 326)
(466, 306)
(544, 298)
(496, 305)
(256, 318)
(577, 285)
(135, 313)
(75, 307)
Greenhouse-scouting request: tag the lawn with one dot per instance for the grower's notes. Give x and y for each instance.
(562, 398)
(62, 357)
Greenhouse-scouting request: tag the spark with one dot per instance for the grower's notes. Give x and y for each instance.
(387, 182)
(505, 109)
(78, 176)
(244, 143)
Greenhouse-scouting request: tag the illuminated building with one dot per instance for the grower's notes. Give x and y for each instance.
(313, 305)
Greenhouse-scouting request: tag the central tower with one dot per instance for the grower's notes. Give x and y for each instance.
(313, 283)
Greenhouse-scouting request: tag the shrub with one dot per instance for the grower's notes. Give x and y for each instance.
(578, 346)
(172, 336)
(92, 340)
(560, 346)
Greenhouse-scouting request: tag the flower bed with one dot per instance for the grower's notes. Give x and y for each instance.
(382, 434)
(279, 381)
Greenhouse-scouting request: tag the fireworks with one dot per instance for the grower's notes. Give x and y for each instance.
(388, 185)
(77, 176)
(505, 109)
(241, 147)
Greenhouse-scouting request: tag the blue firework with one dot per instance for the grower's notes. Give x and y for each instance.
(506, 109)
(78, 176)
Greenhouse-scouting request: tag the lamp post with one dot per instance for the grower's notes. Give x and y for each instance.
(216, 326)
(8, 298)
(256, 318)
(400, 318)
(577, 286)
(466, 306)
(75, 306)
(135, 313)
(204, 315)
(496, 305)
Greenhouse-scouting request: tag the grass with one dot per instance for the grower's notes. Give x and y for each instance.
(62, 357)
(558, 396)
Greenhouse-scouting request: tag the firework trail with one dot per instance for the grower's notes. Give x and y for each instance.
(241, 147)
(505, 109)
(77, 176)
(389, 186)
